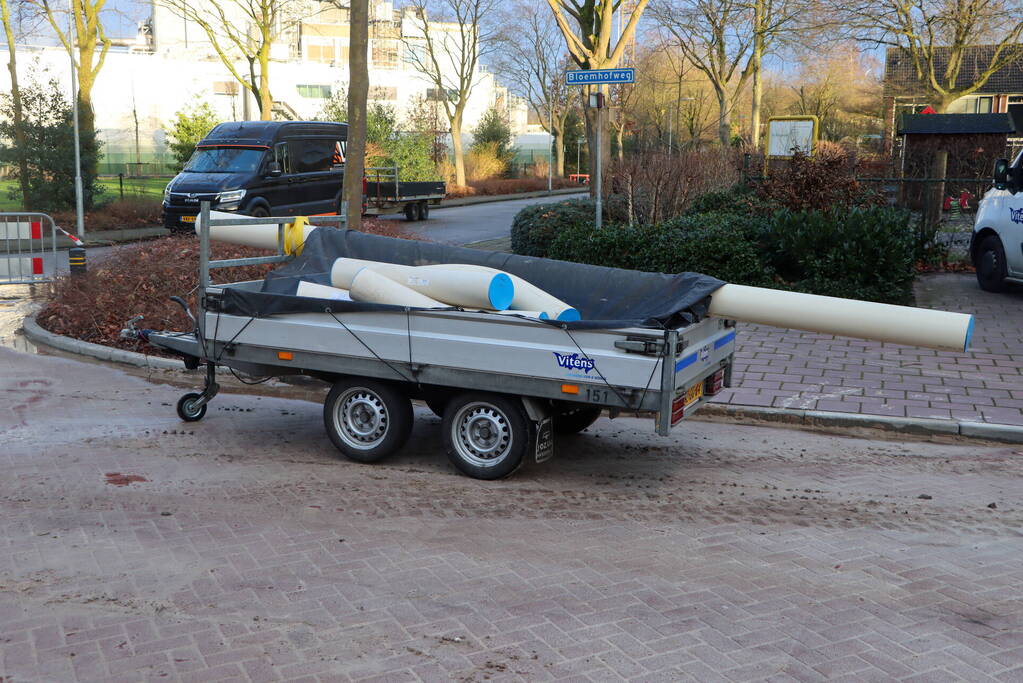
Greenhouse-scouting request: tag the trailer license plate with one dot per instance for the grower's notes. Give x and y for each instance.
(680, 404)
(693, 394)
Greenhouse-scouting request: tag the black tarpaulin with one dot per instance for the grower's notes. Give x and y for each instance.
(607, 298)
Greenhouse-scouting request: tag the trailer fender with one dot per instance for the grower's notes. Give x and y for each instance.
(542, 416)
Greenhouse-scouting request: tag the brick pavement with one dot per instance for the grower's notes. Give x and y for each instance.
(722, 553)
(792, 369)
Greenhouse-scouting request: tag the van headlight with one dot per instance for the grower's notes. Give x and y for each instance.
(230, 199)
(167, 193)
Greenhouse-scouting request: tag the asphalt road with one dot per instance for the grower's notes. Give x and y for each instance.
(136, 547)
(475, 222)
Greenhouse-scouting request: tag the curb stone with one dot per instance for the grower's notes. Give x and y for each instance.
(899, 425)
(752, 414)
(37, 334)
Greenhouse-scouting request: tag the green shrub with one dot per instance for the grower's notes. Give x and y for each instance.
(857, 253)
(738, 198)
(535, 227)
(721, 244)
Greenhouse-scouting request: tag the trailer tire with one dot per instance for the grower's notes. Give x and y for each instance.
(424, 210)
(411, 212)
(575, 420)
(367, 419)
(487, 436)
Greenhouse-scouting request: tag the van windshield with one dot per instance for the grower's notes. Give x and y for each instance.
(224, 160)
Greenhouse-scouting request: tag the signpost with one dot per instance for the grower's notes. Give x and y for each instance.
(599, 77)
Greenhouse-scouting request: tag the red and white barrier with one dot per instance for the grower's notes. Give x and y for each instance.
(22, 250)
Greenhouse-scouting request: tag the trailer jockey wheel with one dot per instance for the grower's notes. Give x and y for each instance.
(487, 436)
(367, 419)
(190, 409)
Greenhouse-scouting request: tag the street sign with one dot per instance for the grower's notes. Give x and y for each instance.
(599, 76)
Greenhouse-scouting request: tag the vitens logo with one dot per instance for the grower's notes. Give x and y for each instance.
(1016, 215)
(574, 361)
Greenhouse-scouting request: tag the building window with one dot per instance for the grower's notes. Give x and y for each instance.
(225, 87)
(982, 105)
(383, 93)
(1015, 99)
(385, 54)
(320, 53)
(317, 91)
(438, 95)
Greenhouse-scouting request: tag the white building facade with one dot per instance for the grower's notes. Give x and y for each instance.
(172, 65)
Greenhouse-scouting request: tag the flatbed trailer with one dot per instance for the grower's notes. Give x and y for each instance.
(385, 194)
(504, 385)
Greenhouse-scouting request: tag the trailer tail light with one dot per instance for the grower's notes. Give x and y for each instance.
(715, 383)
(285, 355)
(570, 388)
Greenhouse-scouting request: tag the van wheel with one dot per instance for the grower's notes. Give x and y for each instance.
(259, 211)
(424, 211)
(991, 270)
(487, 436)
(411, 212)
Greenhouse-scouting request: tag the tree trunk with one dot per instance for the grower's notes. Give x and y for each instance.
(266, 104)
(19, 119)
(456, 144)
(620, 139)
(559, 151)
(756, 60)
(87, 123)
(358, 89)
(724, 119)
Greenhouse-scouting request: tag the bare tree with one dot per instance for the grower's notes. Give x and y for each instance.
(531, 59)
(89, 38)
(953, 46)
(727, 40)
(19, 119)
(358, 89)
(587, 27)
(246, 30)
(449, 53)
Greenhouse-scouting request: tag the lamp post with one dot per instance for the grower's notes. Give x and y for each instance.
(72, 39)
(550, 154)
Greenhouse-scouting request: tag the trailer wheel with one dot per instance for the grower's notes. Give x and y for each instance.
(486, 436)
(411, 212)
(424, 210)
(187, 409)
(574, 420)
(366, 419)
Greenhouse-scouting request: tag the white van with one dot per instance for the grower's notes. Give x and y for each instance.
(997, 244)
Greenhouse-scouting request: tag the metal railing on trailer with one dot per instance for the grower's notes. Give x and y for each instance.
(195, 404)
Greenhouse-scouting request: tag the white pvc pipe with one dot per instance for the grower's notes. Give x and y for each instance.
(316, 291)
(370, 286)
(260, 236)
(464, 288)
(528, 297)
(844, 317)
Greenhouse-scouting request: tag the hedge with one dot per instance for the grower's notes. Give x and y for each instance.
(859, 253)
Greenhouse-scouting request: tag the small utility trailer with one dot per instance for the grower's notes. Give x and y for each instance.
(504, 385)
(384, 194)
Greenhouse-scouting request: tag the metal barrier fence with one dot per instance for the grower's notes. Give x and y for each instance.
(24, 256)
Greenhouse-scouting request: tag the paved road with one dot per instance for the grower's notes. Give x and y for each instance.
(134, 547)
(476, 222)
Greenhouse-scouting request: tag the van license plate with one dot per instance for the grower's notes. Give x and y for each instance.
(188, 219)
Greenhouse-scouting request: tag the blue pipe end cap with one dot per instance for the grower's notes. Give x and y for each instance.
(501, 292)
(570, 315)
(969, 334)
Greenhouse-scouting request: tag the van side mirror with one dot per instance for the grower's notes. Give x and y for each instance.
(1001, 174)
(273, 169)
